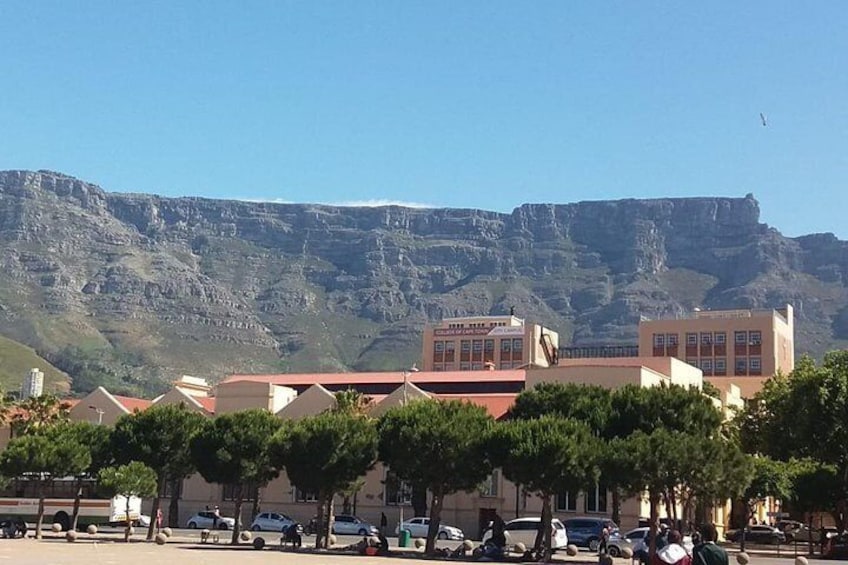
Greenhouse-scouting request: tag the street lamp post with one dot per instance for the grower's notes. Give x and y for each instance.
(401, 487)
(99, 412)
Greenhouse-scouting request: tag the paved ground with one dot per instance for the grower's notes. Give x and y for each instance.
(185, 550)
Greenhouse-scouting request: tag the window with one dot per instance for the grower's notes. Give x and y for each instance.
(671, 339)
(464, 366)
(448, 366)
(438, 346)
(741, 337)
(517, 344)
(438, 367)
(478, 345)
(489, 345)
(755, 338)
(449, 346)
(720, 365)
(304, 496)
(596, 500)
(506, 345)
(659, 340)
(755, 364)
(465, 345)
(172, 489)
(706, 365)
(248, 492)
(706, 338)
(397, 492)
(489, 488)
(720, 338)
(476, 366)
(741, 365)
(693, 362)
(691, 339)
(566, 502)
(506, 365)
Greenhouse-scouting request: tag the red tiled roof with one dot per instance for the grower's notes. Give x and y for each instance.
(207, 402)
(496, 404)
(133, 404)
(383, 377)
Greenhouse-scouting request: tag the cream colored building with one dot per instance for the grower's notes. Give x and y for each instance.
(743, 347)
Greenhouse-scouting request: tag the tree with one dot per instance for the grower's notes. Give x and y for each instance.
(439, 445)
(93, 439)
(40, 458)
(233, 450)
(135, 479)
(805, 415)
(160, 438)
(589, 404)
(670, 407)
(769, 478)
(37, 413)
(353, 401)
(814, 489)
(546, 455)
(326, 454)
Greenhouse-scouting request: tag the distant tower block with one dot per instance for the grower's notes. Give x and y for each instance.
(33, 384)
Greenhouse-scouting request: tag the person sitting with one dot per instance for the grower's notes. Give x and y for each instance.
(674, 553)
(292, 535)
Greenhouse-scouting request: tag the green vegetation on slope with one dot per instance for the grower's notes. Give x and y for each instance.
(15, 362)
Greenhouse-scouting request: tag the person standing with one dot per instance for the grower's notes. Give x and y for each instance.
(602, 546)
(216, 515)
(384, 521)
(672, 553)
(708, 552)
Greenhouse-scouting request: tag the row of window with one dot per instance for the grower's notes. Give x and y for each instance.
(453, 325)
(467, 345)
(742, 365)
(708, 338)
(595, 501)
(467, 366)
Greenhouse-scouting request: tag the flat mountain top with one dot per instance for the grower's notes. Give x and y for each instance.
(139, 289)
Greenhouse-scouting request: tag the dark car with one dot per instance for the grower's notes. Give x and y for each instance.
(758, 534)
(836, 547)
(587, 532)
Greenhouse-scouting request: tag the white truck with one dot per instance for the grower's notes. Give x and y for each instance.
(61, 510)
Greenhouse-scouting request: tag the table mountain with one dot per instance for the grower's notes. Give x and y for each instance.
(142, 288)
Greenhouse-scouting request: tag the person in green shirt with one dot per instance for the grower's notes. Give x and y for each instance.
(708, 552)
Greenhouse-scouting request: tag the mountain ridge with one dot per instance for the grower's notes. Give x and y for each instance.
(150, 286)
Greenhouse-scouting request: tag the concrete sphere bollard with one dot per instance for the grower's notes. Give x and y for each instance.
(56, 527)
(627, 553)
(161, 539)
(743, 558)
(91, 529)
(605, 559)
(571, 550)
(71, 536)
(167, 531)
(419, 543)
(204, 535)
(520, 548)
(801, 560)
(258, 543)
(245, 536)
(468, 545)
(331, 539)
(374, 540)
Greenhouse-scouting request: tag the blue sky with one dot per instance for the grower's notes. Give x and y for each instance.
(465, 104)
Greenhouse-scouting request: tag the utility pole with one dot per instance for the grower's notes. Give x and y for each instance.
(99, 412)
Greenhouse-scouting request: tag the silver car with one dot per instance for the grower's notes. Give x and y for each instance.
(271, 522)
(636, 539)
(420, 527)
(207, 519)
(352, 526)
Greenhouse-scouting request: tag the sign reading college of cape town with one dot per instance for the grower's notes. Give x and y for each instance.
(496, 331)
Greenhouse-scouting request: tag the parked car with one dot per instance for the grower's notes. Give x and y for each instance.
(636, 538)
(836, 547)
(524, 530)
(271, 522)
(351, 525)
(758, 534)
(587, 532)
(206, 519)
(419, 527)
(803, 533)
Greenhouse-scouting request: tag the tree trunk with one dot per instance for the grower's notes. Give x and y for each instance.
(547, 516)
(151, 529)
(257, 498)
(346, 505)
(667, 501)
(174, 504)
(654, 514)
(77, 498)
(331, 518)
(616, 505)
(320, 523)
(436, 503)
(419, 500)
(40, 520)
(237, 526)
(128, 518)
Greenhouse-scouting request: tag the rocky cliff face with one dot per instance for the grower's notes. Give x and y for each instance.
(208, 287)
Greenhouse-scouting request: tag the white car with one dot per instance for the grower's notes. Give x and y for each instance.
(523, 530)
(352, 526)
(207, 519)
(419, 527)
(636, 540)
(271, 522)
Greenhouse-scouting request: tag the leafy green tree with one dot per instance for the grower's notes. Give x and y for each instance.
(353, 401)
(669, 407)
(160, 438)
(715, 471)
(440, 445)
(94, 440)
(40, 458)
(133, 479)
(37, 413)
(803, 415)
(546, 455)
(769, 478)
(233, 450)
(326, 454)
(589, 404)
(815, 488)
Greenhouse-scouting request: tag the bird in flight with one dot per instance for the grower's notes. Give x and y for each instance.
(763, 119)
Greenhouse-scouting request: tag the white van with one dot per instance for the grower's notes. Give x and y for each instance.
(523, 530)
